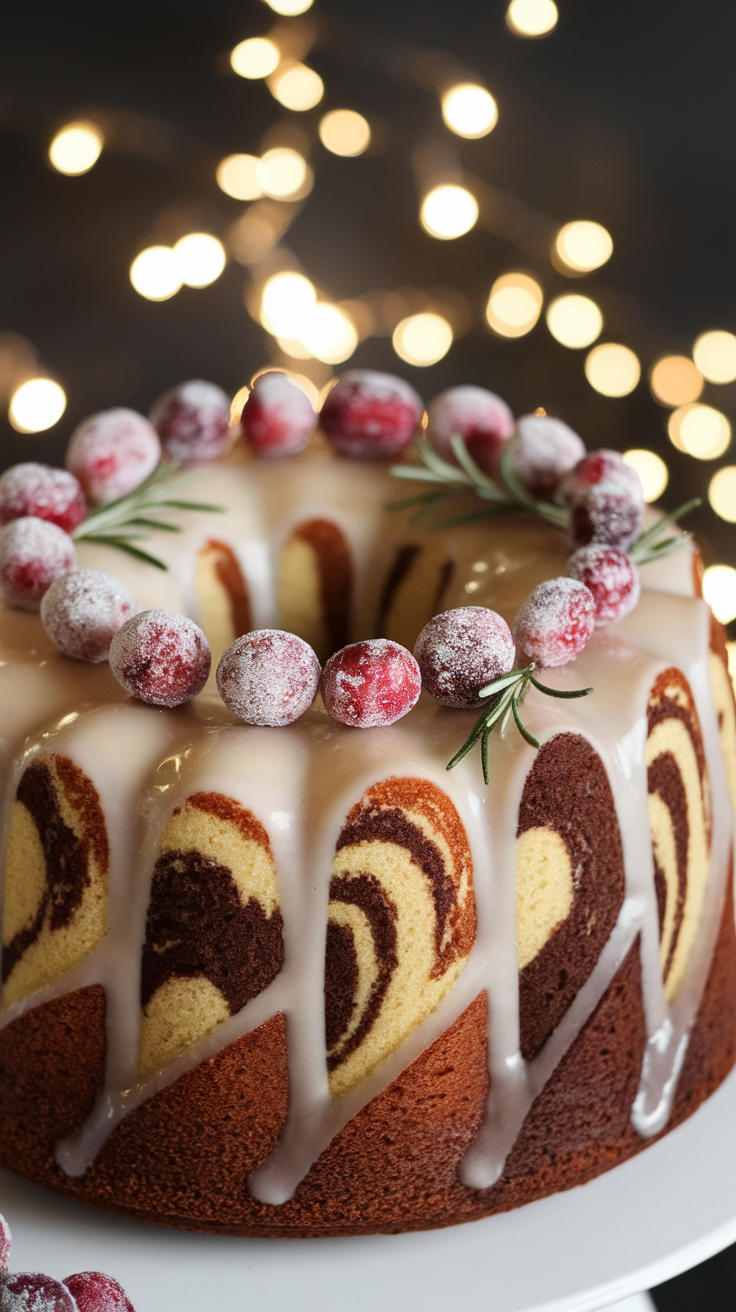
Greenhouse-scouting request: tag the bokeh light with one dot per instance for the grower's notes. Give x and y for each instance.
(722, 493)
(237, 176)
(329, 335)
(345, 132)
(36, 405)
(675, 380)
(574, 321)
(700, 431)
(283, 172)
(76, 147)
(612, 369)
(715, 355)
(287, 301)
(295, 86)
(582, 245)
(256, 57)
(514, 305)
(294, 347)
(289, 8)
(719, 590)
(652, 471)
(201, 258)
(156, 273)
(422, 339)
(532, 17)
(448, 211)
(469, 110)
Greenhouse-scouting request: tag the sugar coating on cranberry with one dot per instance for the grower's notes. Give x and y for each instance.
(278, 418)
(603, 469)
(5, 1243)
(112, 453)
(479, 416)
(45, 493)
(555, 622)
(33, 552)
(269, 677)
(460, 651)
(543, 451)
(370, 415)
(82, 611)
(162, 658)
(614, 518)
(612, 578)
(95, 1292)
(371, 683)
(31, 1291)
(193, 420)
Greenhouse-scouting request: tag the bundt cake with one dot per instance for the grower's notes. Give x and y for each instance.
(306, 981)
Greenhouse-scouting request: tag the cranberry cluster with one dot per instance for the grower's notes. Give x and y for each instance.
(87, 1291)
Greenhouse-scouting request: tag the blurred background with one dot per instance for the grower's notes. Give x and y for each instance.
(538, 198)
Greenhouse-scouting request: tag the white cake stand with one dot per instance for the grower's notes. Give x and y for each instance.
(649, 1219)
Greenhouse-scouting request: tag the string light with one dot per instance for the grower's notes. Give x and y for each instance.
(294, 347)
(652, 471)
(514, 305)
(201, 258)
(612, 369)
(345, 132)
(448, 211)
(76, 148)
(237, 176)
(532, 17)
(675, 380)
(719, 590)
(329, 335)
(156, 273)
(700, 431)
(422, 339)
(290, 8)
(582, 245)
(722, 493)
(36, 405)
(715, 356)
(295, 86)
(283, 172)
(256, 57)
(574, 321)
(469, 110)
(287, 301)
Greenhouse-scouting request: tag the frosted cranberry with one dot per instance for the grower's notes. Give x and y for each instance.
(95, 1292)
(610, 517)
(370, 415)
(480, 417)
(602, 469)
(112, 453)
(612, 578)
(30, 1291)
(162, 658)
(5, 1243)
(269, 677)
(462, 650)
(193, 421)
(543, 451)
(555, 622)
(278, 418)
(82, 611)
(33, 553)
(44, 493)
(371, 683)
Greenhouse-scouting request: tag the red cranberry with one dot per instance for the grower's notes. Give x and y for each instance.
(370, 415)
(30, 1291)
(162, 658)
(612, 578)
(462, 650)
(555, 622)
(269, 677)
(193, 421)
(278, 418)
(43, 492)
(543, 451)
(95, 1292)
(33, 553)
(82, 612)
(112, 453)
(609, 517)
(371, 683)
(5, 1243)
(603, 469)
(480, 417)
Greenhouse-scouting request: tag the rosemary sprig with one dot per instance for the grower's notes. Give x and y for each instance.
(131, 518)
(647, 547)
(506, 694)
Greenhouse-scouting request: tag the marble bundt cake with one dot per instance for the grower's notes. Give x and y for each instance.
(305, 981)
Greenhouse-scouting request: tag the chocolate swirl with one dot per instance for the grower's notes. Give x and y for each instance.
(315, 586)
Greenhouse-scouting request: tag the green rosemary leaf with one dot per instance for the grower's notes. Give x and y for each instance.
(556, 515)
(481, 482)
(449, 473)
(532, 741)
(193, 505)
(644, 542)
(503, 681)
(419, 475)
(421, 499)
(557, 692)
(484, 756)
(425, 512)
(155, 523)
(125, 544)
(472, 516)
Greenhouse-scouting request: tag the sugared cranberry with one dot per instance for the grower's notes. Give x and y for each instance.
(162, 658)
(555, 622)
(112, 453)
(33, 553)
(82, 611)
(43, 492)
(603, 469)
(278, 418)
(543, 451)
(460, 651)
(370, 415)
(612, 578)
(95, 1292)
(479, 416)
(614, 518)
(269, 677)
(5, 1243)
(193, 421)
(30, 1291)
(371, 683)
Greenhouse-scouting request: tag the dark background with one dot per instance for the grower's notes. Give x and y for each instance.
(626, 114)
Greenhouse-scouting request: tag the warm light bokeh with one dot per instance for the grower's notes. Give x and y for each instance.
(448, 211)
(295, 86)
(514, 305)
(674, 380)
(256, 57)
(283, 172)
(582, 245)
(574, 321)
(287, 301)
(201, 258)
(715, 355)
(722, 493)
(652, 471)
(289, 8)
(719, 590)
(329, 335)
(612, 369)
(237, 176)
(469, 110)
(700, 431)
(36, 405)
(532, 17)
(156, 273)
(76, 147)
(422, 339)
(345, 132)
